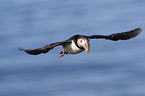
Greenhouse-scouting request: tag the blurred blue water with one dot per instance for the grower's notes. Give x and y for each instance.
(110, 69)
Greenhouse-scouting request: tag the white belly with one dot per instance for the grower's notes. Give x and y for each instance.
(72, 48)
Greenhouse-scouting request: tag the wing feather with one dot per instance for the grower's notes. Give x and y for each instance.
(118, 36)
(44, 49)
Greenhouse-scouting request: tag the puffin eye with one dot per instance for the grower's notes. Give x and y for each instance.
(81, 41)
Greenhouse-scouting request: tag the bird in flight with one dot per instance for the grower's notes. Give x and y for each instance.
(79, 43)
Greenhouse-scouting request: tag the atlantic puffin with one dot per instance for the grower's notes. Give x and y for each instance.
(79, 43)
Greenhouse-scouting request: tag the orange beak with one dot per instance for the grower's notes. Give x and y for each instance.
(86, 46)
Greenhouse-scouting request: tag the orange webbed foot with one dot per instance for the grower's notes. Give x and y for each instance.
(61, 55)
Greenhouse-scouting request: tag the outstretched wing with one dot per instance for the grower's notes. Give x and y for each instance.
(44, 49)
(118, 36)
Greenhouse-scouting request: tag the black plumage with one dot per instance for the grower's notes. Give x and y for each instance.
(114, 37)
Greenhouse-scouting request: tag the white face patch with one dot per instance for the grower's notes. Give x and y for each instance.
(81, 42)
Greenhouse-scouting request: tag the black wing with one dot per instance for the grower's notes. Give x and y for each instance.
(118, 36)
(44, 49)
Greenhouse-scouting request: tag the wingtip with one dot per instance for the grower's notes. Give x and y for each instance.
(139, 29)
(135, 32)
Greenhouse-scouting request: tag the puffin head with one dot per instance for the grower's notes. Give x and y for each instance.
(84, 43)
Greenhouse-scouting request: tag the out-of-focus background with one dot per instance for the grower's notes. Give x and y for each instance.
(110, 69)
